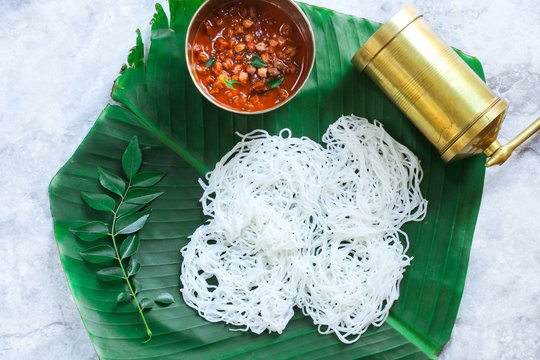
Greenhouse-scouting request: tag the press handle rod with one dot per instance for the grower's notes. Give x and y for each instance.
(504, 152)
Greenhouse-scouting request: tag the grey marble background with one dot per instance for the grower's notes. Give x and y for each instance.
(58, 59)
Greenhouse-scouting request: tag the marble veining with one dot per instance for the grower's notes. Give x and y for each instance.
(58, 61)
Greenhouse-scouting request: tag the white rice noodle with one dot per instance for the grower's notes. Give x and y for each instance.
(293, 223)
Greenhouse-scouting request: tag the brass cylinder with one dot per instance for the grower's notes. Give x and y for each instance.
(433, 86)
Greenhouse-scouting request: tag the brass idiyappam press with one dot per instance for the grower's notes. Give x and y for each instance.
(436, 90)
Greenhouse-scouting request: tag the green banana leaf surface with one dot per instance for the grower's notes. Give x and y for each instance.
(183, 135)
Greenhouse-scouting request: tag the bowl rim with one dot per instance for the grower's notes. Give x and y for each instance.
(244, 112)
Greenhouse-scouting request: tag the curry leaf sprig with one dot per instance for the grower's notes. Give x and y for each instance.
(127, 220)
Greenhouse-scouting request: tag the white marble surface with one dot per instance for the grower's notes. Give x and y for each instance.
(58, 59)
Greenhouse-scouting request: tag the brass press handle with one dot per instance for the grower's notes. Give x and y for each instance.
(504, 152)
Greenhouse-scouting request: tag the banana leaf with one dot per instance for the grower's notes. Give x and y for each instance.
(183, 135)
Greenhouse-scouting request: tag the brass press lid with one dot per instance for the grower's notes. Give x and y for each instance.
(382, 37)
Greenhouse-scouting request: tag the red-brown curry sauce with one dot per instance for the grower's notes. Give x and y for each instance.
(231, 43)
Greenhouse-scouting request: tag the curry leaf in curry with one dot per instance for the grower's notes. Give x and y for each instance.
(210, 62)
(257, 62)
(230, 83)
(274, 83)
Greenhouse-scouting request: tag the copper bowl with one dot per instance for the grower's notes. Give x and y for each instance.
(290, 8)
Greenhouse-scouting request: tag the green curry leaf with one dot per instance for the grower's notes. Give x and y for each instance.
(110, 274)
(130, 246)
(100, 202)
(132, 158)
(123, 297)
(98, 254)
(141, 196)
(164, 299)
(147, 304)
(144, 179)
(134, 267)
(91, 231)
(128, 224)
(111, 181)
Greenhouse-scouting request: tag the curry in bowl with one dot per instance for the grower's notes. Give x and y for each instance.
(249, 56)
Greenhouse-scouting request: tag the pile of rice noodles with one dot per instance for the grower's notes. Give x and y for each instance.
(293, 223)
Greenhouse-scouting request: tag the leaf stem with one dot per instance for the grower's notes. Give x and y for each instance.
(125, 276)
